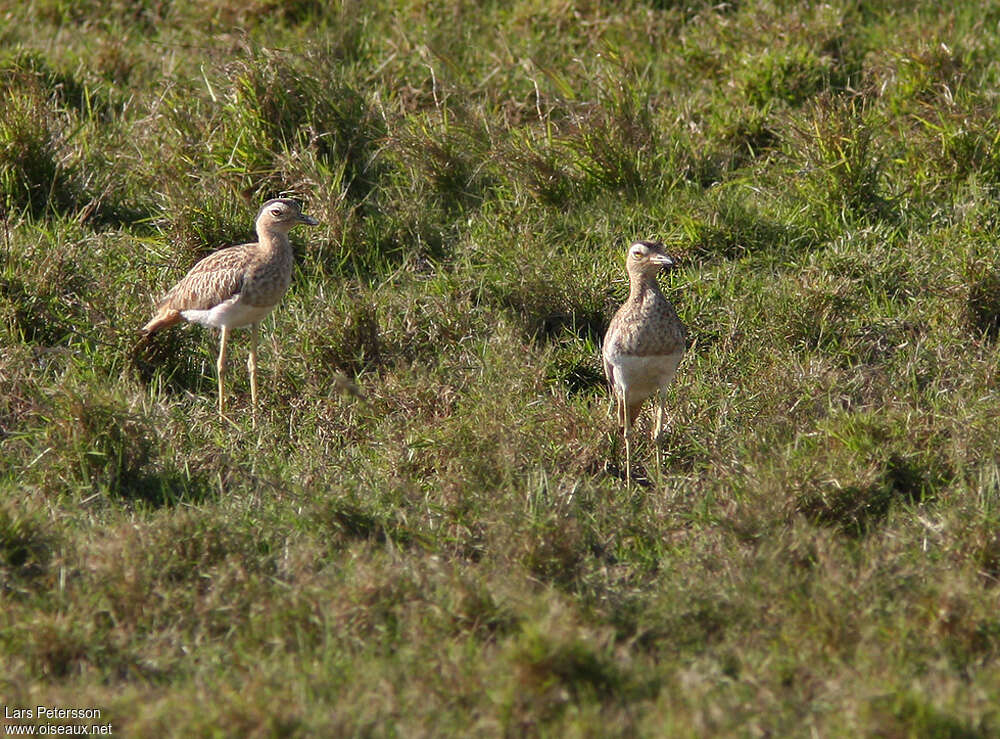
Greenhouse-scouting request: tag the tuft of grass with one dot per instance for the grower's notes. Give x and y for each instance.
(793, 77)
(847, 168)
(33, 175)
(26, 545)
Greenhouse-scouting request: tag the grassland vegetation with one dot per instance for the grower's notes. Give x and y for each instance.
(458, 553)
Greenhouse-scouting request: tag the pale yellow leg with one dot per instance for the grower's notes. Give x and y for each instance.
(659, 430)
(627, 430)
(220, 368)
(252, 367)
(620, 419)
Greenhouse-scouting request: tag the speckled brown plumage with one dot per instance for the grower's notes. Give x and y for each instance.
(646, 324)
(236, 286)
(258, 273)
(644, 342)
(216, 278)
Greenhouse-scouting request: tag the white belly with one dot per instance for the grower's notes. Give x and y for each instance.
(229, 313)
(639, 377)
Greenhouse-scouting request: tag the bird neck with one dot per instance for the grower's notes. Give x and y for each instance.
(273, 241)
(642, 285)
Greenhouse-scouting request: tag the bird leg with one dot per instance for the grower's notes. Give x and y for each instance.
(658, 431)
(619, 400)
(252, 367)
(632, 411)
(220, 367)
(627, 419)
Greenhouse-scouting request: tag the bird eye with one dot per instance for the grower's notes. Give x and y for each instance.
(276, 212)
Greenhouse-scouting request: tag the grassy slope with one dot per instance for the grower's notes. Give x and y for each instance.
(822, 550)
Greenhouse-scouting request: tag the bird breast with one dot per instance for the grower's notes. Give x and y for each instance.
(639, 377)
(648, 327)
(265, 283)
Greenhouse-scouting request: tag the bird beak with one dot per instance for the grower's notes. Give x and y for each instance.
(308, 220)
(662, 259)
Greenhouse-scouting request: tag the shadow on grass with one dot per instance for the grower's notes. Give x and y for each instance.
(42, 314)
(164, 487)
(26, 547)
(912, 715)
(167, 357)
(124, 456)
(348, 520)
(858, 509)
(39, 174)
(578, 375)
(735, 229)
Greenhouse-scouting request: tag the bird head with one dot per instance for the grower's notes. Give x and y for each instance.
(647, 258)
(281, 214)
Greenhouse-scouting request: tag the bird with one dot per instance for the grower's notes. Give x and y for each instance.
(236, 286)
(644, 343)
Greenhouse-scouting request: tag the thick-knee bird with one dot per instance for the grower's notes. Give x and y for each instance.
(237, 286)
(644, 343)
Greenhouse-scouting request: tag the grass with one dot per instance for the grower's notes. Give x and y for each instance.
(458, 554)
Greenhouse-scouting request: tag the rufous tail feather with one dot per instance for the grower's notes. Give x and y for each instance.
(164, 318)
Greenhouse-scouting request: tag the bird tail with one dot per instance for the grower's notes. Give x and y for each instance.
(164, 318)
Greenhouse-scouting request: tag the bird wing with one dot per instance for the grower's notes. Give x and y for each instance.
(211, 281)
(609, 373)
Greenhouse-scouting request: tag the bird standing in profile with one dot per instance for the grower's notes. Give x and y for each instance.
(644, 343)
(237, 286)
